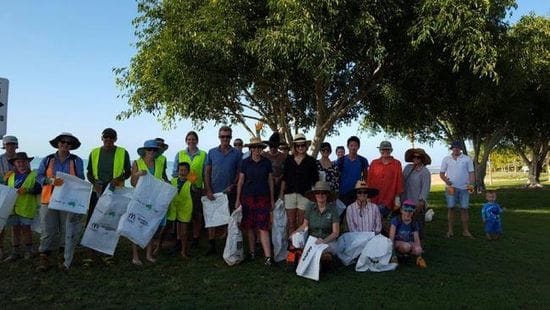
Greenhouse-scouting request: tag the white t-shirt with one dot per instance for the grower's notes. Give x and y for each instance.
(458, 170)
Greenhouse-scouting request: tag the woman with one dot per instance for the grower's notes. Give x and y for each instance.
(321, 219)
(363, 215)
(255, 195)
(299, 175)
(328, 170)
(417, 182)
(149, 162)
(196, 159)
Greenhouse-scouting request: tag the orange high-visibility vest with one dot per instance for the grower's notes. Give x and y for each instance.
(47, 189)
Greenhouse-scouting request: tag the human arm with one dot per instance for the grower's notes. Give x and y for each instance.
(377, 220)
(271, 184)
(175, 165)
(303, 227)
(352, 226)
(333, 236)
(136, 173)
(207, 182)
(240, 183)
(392, 232)
(425, 184)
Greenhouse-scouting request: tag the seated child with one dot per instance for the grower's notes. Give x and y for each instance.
(404, 233)
(490, 214)
(181, 207)
(26, 205)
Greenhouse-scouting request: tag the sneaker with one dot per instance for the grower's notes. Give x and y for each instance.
(421, 263)
(13, 257)
(251, 256)
(44, 264)
(268, 262)
(394, 260)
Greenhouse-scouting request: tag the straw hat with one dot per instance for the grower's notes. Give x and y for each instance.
(299, 139)
(254, 142)
(67, 135)
(424, 157)
(362, 185)
(320, 186)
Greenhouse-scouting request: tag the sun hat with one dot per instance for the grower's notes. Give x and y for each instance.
(424, 157)
(160, 142)
(274, 140)
(408, 206)
(255, 141)
(299, 139)
(320, 186)
(75, 143)
(456, 144)
(20, 155)
(362, 185)
(8, 140)
(385, 145)
(149, 144)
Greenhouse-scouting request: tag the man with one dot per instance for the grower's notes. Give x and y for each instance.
(221, 175)
(352, 167)
(386, 175)
(10, 144)
(457, 171)
(277, 159)
(108, 166)
(55, 224)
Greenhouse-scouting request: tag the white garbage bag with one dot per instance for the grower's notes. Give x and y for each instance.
(278, 232)
(216, 212)
(376, 255)
(36, 225)
(73, 196)
(428, 217)
(340, 207)
(309, 265)
(8, 195)
(146, 209)
(233, 252)
(350, 245)
(100, 234)
(299, 239)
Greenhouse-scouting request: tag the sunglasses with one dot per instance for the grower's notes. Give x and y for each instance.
(237, 145)
(320, 193)
(362, 192)
(65, 142)
(257, 147)
(109, 137)
(325, 150)
(300, 145)
(225, 137)
(151, 149)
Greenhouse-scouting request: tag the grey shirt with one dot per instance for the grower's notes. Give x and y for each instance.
(416, 183)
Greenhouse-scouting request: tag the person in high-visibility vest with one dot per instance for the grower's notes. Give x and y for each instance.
(108, 166)
(151, 162)
(56, 223)
(26, 206)
(10, 144)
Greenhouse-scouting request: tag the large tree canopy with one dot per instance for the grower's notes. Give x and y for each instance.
(294, 64)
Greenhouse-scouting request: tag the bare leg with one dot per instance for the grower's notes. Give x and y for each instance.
(182, 233)
(135, 255)
(266, 244)
(464, 216)
(300, 217)
(450, 219)
(291, 218)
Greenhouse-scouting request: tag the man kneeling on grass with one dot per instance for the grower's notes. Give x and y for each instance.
(404, 233)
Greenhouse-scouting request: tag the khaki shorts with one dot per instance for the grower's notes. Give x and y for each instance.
(296, 201)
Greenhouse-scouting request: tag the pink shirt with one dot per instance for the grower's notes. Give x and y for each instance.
(364, 219)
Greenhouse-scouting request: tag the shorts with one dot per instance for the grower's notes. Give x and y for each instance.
(256, 211)
(296, 201)
(493, 227)
(461, 196)
(19, 220)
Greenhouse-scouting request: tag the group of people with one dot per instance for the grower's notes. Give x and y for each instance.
(380, 197)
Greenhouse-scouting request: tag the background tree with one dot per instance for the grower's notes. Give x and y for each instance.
(293, 64)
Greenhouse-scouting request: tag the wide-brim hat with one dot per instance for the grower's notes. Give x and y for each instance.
(321, 186)
(149, 144)
(160, 142)
(20, 155)
(362, 185)
(385, 145)
(75, 143)
(424, 157)
(254, 142)
(299, 139)
(274, 140)
(8, 140)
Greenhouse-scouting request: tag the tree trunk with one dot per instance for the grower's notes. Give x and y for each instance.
(538, 151)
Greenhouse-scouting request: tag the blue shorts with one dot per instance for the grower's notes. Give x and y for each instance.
(493, 227)
(461, 196)
(19, 220)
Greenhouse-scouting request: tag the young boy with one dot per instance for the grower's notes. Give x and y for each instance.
(181, 207)
(404, 233)
(26, 205)
(490, 214)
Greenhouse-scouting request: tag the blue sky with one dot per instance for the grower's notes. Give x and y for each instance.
(59, 56)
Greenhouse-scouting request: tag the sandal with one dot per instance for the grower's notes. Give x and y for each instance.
(449, 235)
(137, 262)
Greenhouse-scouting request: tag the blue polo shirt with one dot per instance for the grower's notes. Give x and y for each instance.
(224, 167)
(256, 176)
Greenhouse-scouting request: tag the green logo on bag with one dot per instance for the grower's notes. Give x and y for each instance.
(149, 206)
(72, 203)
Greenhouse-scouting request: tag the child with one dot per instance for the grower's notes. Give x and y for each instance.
(26, 205)
(181, 207)
(404, 233)
(490, 214)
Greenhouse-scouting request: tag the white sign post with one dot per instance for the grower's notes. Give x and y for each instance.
(4, 85)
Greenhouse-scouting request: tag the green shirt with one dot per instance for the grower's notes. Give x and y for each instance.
(320, 224)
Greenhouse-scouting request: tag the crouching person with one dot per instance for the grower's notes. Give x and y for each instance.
(321, 220)
(404, 233)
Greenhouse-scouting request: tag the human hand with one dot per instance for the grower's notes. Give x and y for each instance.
(210, 195)
(470, 189)
(58, 181)
(319, 241)
(117, 183)
(7, 176)
(21, 190)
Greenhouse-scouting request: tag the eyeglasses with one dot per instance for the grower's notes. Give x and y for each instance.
(225, 137)
(362, 192)
(65, 142)
(320, 193)
(325, 150)
(299, 146)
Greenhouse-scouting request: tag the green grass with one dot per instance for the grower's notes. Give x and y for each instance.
(512, 272)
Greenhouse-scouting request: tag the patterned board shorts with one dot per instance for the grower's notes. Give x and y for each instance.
(256, 211)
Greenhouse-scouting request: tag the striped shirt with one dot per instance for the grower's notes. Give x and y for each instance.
(363, 219)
